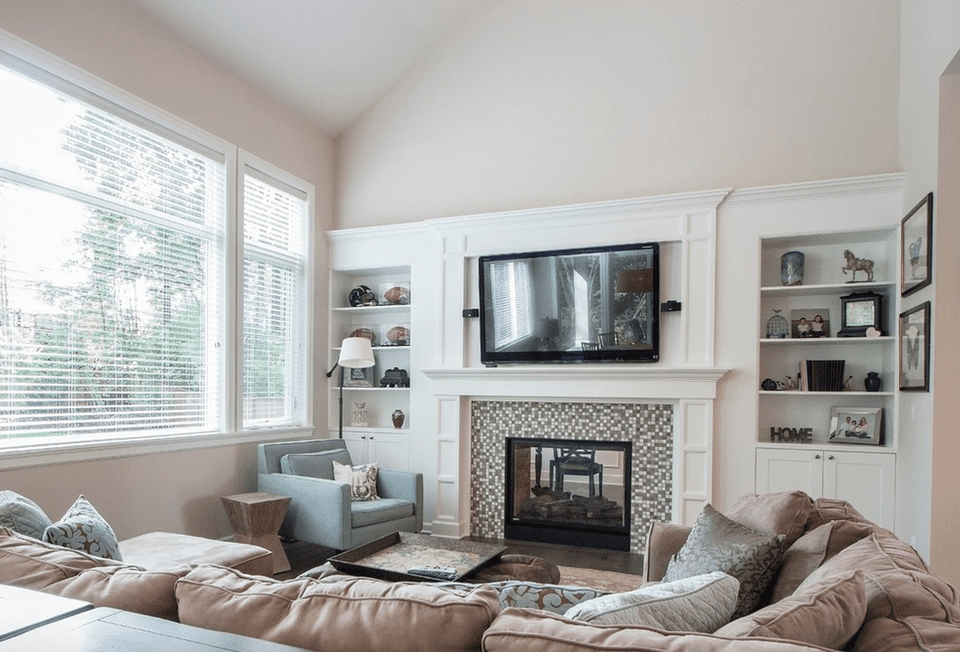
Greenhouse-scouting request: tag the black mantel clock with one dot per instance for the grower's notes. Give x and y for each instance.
(860, 311)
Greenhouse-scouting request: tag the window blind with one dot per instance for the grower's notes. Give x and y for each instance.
(512, 305)
(112, 256)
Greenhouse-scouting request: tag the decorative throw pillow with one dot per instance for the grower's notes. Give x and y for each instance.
(82, 528)
(362, 479)
(22, 515)
(695, 604)
(717, 543)
(826, 612)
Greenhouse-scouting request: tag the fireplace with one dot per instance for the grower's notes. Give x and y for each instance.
(568, 492)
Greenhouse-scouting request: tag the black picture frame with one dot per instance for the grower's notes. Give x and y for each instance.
(859, 312)
(916, 247)
(914, 341)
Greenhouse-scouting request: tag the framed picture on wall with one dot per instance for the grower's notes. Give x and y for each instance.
(916, 247)
(915, 349)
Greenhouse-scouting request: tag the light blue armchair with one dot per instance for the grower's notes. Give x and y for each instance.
(321, 511)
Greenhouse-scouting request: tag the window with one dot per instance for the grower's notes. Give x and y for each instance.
(115, 264)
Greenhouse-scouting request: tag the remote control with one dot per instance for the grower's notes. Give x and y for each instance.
(433, 572)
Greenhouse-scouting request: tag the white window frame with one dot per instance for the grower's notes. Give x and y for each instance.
(56, 72)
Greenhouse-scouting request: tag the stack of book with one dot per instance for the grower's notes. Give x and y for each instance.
(821, 375)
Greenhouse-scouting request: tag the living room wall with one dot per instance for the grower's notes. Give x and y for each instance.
(176, 491)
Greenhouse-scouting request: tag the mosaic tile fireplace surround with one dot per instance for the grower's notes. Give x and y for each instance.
(649, 428)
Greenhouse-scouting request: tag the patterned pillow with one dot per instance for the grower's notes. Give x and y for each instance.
(695, 604)
(362, 479)
(22, 515)
(82, 528)
(718, 544)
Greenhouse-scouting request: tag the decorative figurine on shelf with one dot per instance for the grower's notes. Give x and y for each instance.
(395, 377)
(848, 384)
(768, 385)
(790, 384)
(855, 265)
(397, 418)
(777, 326)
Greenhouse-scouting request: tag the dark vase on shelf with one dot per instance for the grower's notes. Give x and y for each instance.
(873, 382)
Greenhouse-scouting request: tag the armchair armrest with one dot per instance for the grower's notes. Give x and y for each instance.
(319, 510)
(664, 540)
(404, 485)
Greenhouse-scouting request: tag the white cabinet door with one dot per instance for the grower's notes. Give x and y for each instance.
(788, 469)
(865, 480)
(391, 450)
(356, 446)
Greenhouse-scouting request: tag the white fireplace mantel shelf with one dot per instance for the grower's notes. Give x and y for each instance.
(578, 382)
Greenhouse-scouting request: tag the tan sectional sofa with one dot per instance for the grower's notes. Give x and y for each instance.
(842, 583)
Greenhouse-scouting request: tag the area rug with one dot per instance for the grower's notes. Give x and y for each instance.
(598, 579)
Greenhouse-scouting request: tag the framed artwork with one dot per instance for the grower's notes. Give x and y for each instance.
(916, 247)
(358, 377)
(856, 425)
(811, 322)
(860, 312)
(915, 349)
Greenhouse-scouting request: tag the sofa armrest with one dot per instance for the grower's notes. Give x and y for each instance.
(319, 510)
(664, 540)
(403, 485)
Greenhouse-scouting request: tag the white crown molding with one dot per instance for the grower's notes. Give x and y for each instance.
(879, 183)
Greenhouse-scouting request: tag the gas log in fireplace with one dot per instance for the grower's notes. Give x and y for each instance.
(568, 492)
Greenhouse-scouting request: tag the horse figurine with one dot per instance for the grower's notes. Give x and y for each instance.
(855, 265)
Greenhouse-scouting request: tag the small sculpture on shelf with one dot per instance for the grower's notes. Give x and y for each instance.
(358, 417)
(395, 377)
(855, 265)
(362, 296)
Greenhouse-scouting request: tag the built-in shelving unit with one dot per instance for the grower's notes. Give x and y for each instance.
(864, 474)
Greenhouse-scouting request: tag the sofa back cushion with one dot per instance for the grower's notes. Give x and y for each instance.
(527, 630)
(716, 543)
(783, 513)
(355, 614)
(913, 634)
(811, 551)
(34, 564)
(314, 465)
(22, 515)
(123, 587)
(827, 612)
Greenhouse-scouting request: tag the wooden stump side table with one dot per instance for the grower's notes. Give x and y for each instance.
(255, 518)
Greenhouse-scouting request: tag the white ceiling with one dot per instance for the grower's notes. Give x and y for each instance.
(326, 60)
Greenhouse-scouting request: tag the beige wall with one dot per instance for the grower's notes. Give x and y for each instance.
(170, 491)
(532, 103)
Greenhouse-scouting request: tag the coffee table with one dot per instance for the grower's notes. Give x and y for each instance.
(389, 557)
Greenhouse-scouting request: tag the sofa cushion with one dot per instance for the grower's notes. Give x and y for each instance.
(694, 604)
(664, 540)
(371, 512)
(716, 543)
(22, 515)
(783, 513)
(167, 551)
(813, 549)
(123, 587)
(35, 564)
(356, 614)
(826, 510)
(82, 528)
(529, 630)
(362, 479)
(898, 584)
(827, 613)
(314, 465)
(912, 635)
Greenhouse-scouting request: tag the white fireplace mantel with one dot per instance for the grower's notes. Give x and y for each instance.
(578, 382)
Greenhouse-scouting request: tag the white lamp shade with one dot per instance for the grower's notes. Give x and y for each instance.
(356, 353)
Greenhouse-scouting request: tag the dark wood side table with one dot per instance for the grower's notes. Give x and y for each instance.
(255, 518)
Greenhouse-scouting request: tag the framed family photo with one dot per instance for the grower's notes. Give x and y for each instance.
(915, 349)
(916, 247)
(856, 425)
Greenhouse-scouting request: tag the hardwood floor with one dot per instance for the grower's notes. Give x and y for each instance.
(304, 556)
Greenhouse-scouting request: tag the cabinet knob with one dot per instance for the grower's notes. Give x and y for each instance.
(371, 439)
(363, 436)
(817, 456)
(829, 457)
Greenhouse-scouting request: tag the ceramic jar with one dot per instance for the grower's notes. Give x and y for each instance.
(791, 268)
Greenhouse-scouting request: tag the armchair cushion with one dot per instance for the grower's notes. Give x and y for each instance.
(314, 465)
(369, 512)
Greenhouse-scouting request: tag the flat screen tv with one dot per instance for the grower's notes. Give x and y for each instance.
(596, 304)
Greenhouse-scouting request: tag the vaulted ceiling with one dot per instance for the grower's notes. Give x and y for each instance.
(326, 60)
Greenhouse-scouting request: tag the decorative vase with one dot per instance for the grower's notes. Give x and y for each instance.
(777, 326)
(397, 417)
(791, 268)
(873, 382)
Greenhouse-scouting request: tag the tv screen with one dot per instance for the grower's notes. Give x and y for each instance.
(597, 304)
